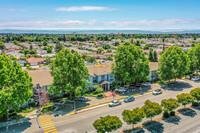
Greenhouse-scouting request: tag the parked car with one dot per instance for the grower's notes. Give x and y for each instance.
(129, 99)
(158, 91)
(115, 103)
(195, 78)
(138, 85)
(81, 99)
(122, 89)
(146, 84)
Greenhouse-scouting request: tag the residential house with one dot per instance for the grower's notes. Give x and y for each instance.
(41, 78)
(101, 74)
(22, 62)
(35, 61)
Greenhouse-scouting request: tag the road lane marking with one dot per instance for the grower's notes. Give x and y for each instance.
(50, 131)
(47, 124)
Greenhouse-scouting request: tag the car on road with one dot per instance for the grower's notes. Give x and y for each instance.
(115, 103)
(158, 91)
(195, 78)
(146, 84)
(129, 99)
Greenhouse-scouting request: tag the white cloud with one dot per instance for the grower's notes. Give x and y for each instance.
(46, 24)
(84, 8)
(151, 22)
(12, 10)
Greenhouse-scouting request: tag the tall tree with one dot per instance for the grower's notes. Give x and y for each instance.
(173, 63)
(151, 109)
(15, 85)
(58, 47)
(155, 58)
(151, 57)
(193, 66)
(131, 64)
(197, 51)
(70, 74)
(107, 124)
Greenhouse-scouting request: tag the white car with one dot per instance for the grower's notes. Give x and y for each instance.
(195, 78)
(115, 103)
(147, 84)
(158, 91)
(122, 89)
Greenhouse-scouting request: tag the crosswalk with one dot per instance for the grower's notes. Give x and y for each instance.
(47, 124)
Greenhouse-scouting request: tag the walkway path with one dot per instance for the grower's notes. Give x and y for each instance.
(47, 124)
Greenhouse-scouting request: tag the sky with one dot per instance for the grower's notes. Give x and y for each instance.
(160, 15)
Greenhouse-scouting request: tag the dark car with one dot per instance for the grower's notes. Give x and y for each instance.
(129, 99)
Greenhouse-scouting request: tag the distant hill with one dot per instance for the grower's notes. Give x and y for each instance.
(95, 31)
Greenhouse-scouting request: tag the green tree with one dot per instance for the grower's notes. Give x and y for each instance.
(100, 50)
(137, 43)
(58, 47)
(131, 64)
(173, 63)
(116, 43)
(197, 54)
(109, 57)
(91, 59)
(151, 57)
(193, 60)
(15, 87)
(45, 43)
(107, 124)
(170, 104)
(151, 109)
(196, 93)
(133, 117)
(185, 98)
(155, 58)
(2, 45)
(97, 89)
(69, 73)
(49, 49)
(106, 46)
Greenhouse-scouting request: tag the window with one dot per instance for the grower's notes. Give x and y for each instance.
(102, 76)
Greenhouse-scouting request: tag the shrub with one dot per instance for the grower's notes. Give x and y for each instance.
(195, 104)
(172, 113)
(48, 107)
(100, 95)
(166, 114)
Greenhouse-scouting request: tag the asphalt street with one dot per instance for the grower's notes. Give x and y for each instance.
(82, 122)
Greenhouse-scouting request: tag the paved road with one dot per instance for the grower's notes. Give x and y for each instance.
(80, 123)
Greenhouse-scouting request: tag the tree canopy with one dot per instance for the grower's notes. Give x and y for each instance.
(107, 124)
(185, 98)
(170, 104)
(196, 93)
(15, 85)
(131, 64)
(133, 117)
(173, 63)
(69, 73)
(151, 109)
